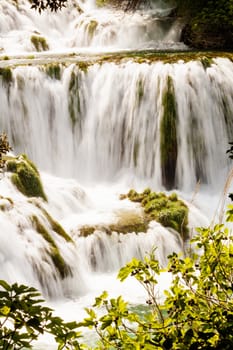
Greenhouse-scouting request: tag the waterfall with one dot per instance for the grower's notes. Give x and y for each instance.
(98, 115)
(82, 25)
(100, 122)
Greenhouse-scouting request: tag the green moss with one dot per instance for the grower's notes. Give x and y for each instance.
(136, 148)
(169, 211)
(24, 157)
(91, 28)
(55, 254)
(140, 91)
(26, 177)
(101, 3)
(206, 62)
(54, 71)
(74, 99)
(6, 75)
(86, 230)
(5, 203)
(165, 57)
(127, 222)
(39, 43)
(30, 57)
(83, 66)
(168, 137)
(11, 166)
(56, 227)
(135, 196)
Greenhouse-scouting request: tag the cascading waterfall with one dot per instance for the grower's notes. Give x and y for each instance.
(95, 126)
(83, 25)
(107, 117)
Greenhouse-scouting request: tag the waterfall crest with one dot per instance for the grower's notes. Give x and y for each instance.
(104, 121)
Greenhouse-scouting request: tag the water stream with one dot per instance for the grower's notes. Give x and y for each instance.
(92, 126)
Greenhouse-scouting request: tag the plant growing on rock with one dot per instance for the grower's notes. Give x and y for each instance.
(197, 312)
(4, 149)
(26, 177)
(169, 211)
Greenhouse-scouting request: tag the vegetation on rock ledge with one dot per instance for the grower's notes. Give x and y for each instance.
(168, 136)
(26, 177)
(39, 43)
(54, 252)
(169, 211)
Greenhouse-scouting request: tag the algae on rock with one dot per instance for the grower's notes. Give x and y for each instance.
(59, 263)
(76, 103)
(91, 28)
(39, 43)
(128, 221)
(53, 70)
(169, 211)
(55, 226)
(26, 177)
(168, 137)
(6, 75)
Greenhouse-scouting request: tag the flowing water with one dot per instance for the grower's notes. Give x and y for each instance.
(92, 124)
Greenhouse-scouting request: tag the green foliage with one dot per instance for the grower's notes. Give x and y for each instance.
(26, 177)
(4, 149)
(197, 312)
(169, 211)
(209, 23)
(23, 319)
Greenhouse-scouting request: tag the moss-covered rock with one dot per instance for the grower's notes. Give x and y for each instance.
(74, 99)
(101, 3)
(91, 28)
(206, 62)
(59, 263)
(6, 203)
(39, 43)
(56, 227)
(53, 224)
(26, 177)
(169, 211)
(53, 70)
(168, 137)
(6, 75)
(139, 91)
(128, 221)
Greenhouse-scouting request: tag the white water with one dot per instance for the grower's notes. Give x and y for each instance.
(113, 130)
(111, 144)
(82, 25)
